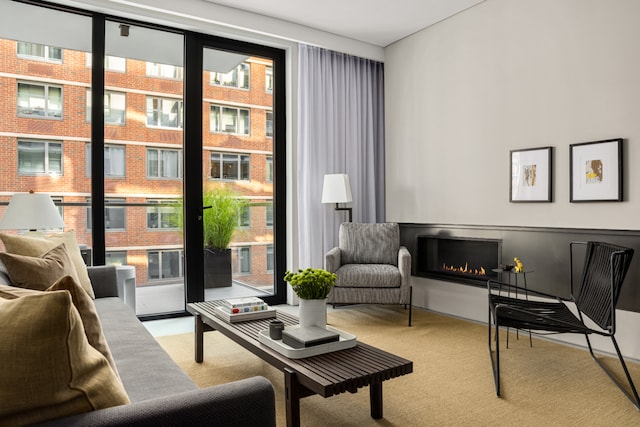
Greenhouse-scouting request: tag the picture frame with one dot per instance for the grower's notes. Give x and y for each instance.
(596, 171)
(531, 175)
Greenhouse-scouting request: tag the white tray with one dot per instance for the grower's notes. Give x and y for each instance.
(346, 341)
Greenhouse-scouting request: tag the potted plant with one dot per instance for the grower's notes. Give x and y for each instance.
(220, 218)
(312, 286)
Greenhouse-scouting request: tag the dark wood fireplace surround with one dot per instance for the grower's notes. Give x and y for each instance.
(543, 250)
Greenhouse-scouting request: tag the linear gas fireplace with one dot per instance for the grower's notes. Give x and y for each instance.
(462, 260)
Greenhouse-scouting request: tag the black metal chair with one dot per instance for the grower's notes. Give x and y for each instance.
(605, 268)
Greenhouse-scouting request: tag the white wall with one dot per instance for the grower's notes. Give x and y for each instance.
(507, 75)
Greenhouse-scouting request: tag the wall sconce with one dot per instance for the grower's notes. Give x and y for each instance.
(337, 189)
(31, 211)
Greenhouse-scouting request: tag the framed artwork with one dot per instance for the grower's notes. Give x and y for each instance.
(596, 171)
(531, 175)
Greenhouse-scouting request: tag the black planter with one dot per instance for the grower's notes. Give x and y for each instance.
(217, 268)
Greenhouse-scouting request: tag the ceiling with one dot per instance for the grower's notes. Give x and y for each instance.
(378, 22)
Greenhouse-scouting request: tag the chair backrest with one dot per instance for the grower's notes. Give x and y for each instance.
(605, 268)
(369, 243)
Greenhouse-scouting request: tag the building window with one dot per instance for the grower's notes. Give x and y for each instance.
(163, 163)
(114, 216)
(164, 112)
(39, 158)
(39, 51)
(114, 161)
(270, 259)
(238, 78)
(111, 63)
(269, 169)
(244, 219)
(241, 260)
(229, 120)
(164, 71)
(269, 126)
(162, 216)
(39, 100)
(115, 258)
(114, 107)
(269, 215)
(230, 166)
(165, 264)
(268, 79)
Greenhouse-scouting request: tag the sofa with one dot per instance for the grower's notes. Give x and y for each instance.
(160, 393)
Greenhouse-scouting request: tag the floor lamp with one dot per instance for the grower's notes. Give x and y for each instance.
(337, 189)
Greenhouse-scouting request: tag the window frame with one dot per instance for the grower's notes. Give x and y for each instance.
(47, 113)
(268, 79)
(107, 95)
(159, 112)
(160, 252)
(46, 159)
(107, 202)
(160, 161)
(215, 125)
(216, 79)
(162, 211)
(46, 57)
(155, 70)
(239, 166)
(105, 174)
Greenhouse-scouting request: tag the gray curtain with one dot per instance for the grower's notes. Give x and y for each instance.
(340, 130)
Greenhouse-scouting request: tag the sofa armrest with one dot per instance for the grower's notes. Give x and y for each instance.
(248, 402)
(103, 280)
(332, 260)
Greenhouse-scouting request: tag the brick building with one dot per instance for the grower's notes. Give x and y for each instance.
(45, 146)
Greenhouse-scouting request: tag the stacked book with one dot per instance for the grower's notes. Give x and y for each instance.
(247, 308)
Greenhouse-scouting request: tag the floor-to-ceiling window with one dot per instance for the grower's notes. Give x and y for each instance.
(129, 159)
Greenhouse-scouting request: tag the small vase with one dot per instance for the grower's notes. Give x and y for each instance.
(313, 312)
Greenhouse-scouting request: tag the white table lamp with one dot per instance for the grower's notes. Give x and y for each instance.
(31, 211)
(337, 189)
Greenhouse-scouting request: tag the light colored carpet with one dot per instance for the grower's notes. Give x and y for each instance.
(452, 383)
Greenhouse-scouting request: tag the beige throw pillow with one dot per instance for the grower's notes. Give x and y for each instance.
(39, 273)
(47, 360)
(90, 320)
(36, 246)
(82, 302)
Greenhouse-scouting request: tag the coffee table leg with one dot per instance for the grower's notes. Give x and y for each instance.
(199, 333)
(292, 398)
(375, 400)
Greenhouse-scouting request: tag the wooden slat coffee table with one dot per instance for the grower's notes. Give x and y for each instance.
(326, 374)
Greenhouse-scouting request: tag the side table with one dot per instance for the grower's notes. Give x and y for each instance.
(515, 275)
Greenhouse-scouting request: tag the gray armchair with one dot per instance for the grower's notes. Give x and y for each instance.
(371, 265)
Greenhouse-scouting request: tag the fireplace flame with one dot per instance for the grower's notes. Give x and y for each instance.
(466, 270)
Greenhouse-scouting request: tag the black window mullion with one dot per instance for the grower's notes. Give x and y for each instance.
(97, 139)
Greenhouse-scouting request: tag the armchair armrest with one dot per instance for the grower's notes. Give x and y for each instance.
(332, 260)
(404, 265)
(248, 402)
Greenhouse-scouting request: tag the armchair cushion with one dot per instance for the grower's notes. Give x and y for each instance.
(369, 276)
(369, 243)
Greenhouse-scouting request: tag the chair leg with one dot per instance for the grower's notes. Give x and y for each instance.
(495, 363)
(633, 395)
(410, 303)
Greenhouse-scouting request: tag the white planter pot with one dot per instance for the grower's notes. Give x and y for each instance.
(313, 312)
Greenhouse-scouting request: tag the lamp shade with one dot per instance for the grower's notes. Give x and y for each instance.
(336, 188)
(31, 211)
